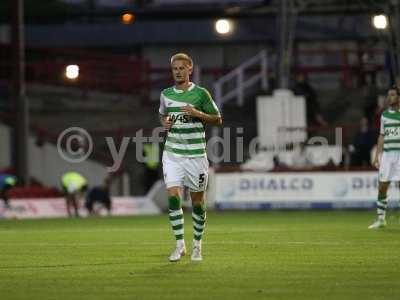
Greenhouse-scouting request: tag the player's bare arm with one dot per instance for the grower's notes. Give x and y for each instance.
(379, 150)
(206, 118)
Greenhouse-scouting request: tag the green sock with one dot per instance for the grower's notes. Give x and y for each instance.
(199, 221)
(381, 206)
(176, 216)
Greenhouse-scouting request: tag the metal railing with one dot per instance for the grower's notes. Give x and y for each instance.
(240, 84)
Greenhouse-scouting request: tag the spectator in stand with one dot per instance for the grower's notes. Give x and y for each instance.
(303, 88)
(346, 159)
(363, 142)
(369, 68)
(7, 181)
(74, 186)
(99, 194)
(370, 95)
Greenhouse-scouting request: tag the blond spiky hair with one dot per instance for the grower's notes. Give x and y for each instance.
(182, 56)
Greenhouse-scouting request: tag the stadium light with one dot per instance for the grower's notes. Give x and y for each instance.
(72, 72)
(127, 18)
(223, 26)
(380, 22)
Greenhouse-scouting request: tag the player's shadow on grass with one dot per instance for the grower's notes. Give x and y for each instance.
(166, 268)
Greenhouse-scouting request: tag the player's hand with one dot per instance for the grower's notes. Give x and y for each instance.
(190, 110)
(167, 123)
(376, 163)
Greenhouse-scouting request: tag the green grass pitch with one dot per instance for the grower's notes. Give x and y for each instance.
(247, 255)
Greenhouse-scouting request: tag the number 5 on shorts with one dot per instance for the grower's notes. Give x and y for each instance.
(201, 179)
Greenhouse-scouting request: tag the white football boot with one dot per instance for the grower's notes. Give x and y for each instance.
(380, 223)
(196, 253)
(179, 251)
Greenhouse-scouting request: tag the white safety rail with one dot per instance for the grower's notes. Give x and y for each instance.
(237, 77)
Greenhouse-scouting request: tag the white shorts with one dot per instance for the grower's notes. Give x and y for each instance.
(389, 168)
(182, 171)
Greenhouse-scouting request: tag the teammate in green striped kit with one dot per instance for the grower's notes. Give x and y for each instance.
(184, 110)
(387, 157)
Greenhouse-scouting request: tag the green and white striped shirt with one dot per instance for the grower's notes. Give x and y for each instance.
(186, 138)
(390, 129)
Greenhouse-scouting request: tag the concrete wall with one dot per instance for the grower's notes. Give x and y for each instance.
(46, 164)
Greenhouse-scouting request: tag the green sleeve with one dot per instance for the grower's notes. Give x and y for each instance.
(209, 106)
